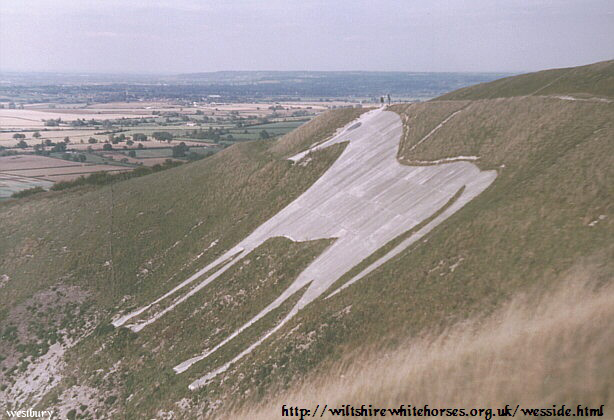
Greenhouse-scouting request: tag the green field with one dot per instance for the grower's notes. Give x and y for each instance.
(10, 184)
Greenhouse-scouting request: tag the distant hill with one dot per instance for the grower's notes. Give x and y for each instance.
(593, 80)
(326, 84)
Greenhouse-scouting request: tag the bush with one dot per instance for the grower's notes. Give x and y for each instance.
(28, 192)
(104, 178)
(104, 329)
(162, 136)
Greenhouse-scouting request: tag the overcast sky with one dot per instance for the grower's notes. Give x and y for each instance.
(175, 36)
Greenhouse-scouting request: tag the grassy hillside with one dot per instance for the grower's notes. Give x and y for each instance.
(78, 257)
(81, 256)
(549, 209)
(484, 363)
(593, 80)
(139, 228)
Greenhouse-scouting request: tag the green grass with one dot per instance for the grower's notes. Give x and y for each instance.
(145, 225)
(526, 231)
(203, 321)
(28, 192)
(586, 81)
(154, 153)
(137, 238)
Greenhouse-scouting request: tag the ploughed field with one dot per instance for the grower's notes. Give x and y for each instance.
(20, 172)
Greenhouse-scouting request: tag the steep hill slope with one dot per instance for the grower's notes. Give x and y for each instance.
(76, 256)
(593, 80)
(73, 261)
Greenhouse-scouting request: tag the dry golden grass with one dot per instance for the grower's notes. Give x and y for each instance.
(538, 350)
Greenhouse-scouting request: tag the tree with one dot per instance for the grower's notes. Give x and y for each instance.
(132, 153)
(139, 137)
(140, 146)
(19, 136)
(82, 158)
(22, 144)
(264, 134)
(66, 139)
(36, 135)
(92, 140)
(180, 150)
(52, 122)
(162, 136)
(129, 142)
(59, 147)
(107, 146)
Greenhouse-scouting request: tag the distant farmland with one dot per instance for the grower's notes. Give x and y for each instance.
(21, 172)
(42, 143)
(10, 184)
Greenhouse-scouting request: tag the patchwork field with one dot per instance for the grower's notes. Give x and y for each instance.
(28, 118)
(131, 134)
(58, 171)
(21, 172)
(21, 162)
(10, 184)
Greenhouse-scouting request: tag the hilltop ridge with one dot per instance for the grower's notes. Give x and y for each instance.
(592, 80)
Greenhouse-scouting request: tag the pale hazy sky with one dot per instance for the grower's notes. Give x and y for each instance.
(173, 36)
